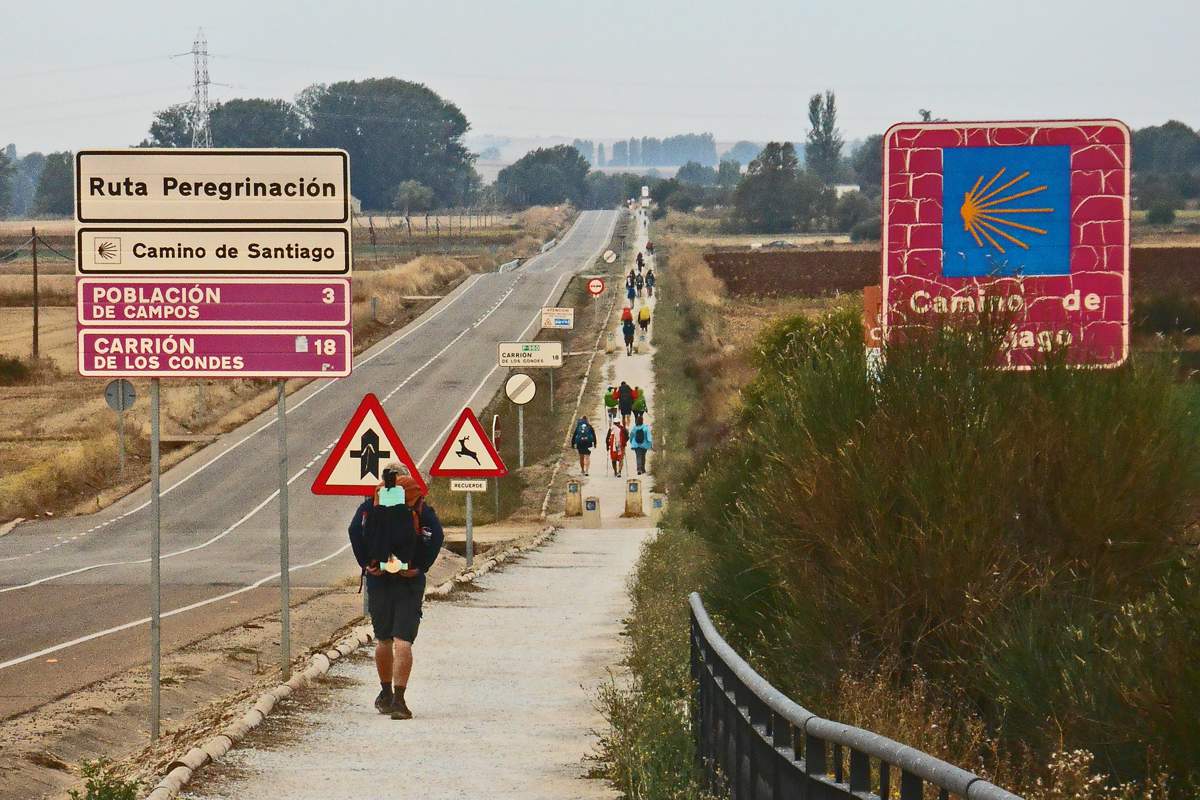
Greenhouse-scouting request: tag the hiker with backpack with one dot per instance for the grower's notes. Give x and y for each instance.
(627, 331)
(610, 404)
(641, 284)
(630, 292)
(396, 537)
(650, 281)
(583, 440)
(626, 314)
(641, 261)
(642, 441)
(639, 405)
(625, 399)
(643, 318)
(618, 437)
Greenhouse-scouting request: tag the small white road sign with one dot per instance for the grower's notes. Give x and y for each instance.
(559, 319)
(529, 354)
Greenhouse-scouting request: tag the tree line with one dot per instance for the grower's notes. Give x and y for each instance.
(398, 134)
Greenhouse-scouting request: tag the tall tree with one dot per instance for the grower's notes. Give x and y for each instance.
(775, 196)
(586, 148)
(728, 174)
(256, 123)
(394, 130)
(412, 196)
(693, 172)
(171, 127)
(743, 152)
(620, 154)
(867, 163)
(823, 152)
(23, 184)
(56, 186)
(545, 176)
(7, 172)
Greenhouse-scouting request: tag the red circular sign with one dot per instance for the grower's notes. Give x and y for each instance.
(596, 287)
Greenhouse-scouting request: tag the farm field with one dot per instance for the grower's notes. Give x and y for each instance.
(60, 418)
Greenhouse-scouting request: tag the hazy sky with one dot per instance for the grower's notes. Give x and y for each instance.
(81, 73)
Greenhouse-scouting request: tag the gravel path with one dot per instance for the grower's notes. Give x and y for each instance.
(502, 691)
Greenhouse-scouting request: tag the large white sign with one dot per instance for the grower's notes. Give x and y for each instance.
(161, 236)
(150, 185)
(529, 354)
(155, 251)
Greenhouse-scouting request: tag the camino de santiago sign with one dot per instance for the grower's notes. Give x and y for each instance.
(213, 263)
(1025, 219)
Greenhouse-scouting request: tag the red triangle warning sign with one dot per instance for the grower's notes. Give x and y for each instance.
(369, 442)
(468, 452)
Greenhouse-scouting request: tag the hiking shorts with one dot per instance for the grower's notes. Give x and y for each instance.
(395, 606)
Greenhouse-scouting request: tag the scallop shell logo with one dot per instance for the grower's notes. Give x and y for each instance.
(985, 212)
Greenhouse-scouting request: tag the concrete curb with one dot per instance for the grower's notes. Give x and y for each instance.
(181, 770)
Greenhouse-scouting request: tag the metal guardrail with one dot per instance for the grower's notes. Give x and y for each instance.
(546, 246)
(753, 742)
(509, 266)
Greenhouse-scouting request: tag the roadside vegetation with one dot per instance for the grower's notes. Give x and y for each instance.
(994, 567)
(63, 422)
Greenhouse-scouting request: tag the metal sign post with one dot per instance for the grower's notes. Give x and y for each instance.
(468, 458)
(521, 436)
(121, 434)
(285, 616)
(155, 575)
(119, 395)
(496, 440)
(470, 546)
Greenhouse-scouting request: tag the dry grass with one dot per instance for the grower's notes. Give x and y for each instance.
(417, 277)
(53, 290)
(60, 407)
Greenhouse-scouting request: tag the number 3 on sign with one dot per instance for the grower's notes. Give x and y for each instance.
(326, 347)
(327, 295)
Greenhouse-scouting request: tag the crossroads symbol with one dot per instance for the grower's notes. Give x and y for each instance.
(369, 454)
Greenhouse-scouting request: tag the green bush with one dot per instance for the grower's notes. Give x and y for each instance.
(1166, 313)
(1020, 538)
(101, 784)
(868, 230)
(14, 371)
(1161, 214)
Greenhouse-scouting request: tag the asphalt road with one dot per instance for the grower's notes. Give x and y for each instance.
(76, 590)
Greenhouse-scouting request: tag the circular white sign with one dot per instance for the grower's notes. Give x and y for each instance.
(609, 256)
(520, 388)
(596, 287)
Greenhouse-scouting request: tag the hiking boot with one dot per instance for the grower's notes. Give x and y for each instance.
(400, 709)
(383, 703)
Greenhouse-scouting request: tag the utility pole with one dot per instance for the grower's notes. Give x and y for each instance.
(33, 239)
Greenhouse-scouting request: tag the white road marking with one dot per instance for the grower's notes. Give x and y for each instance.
(461, 291)
(12, 662)
(199, 604)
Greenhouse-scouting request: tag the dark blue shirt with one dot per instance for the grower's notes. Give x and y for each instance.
(427, 554)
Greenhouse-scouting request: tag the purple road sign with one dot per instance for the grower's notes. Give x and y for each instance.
(215, 353)
(207, 302)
